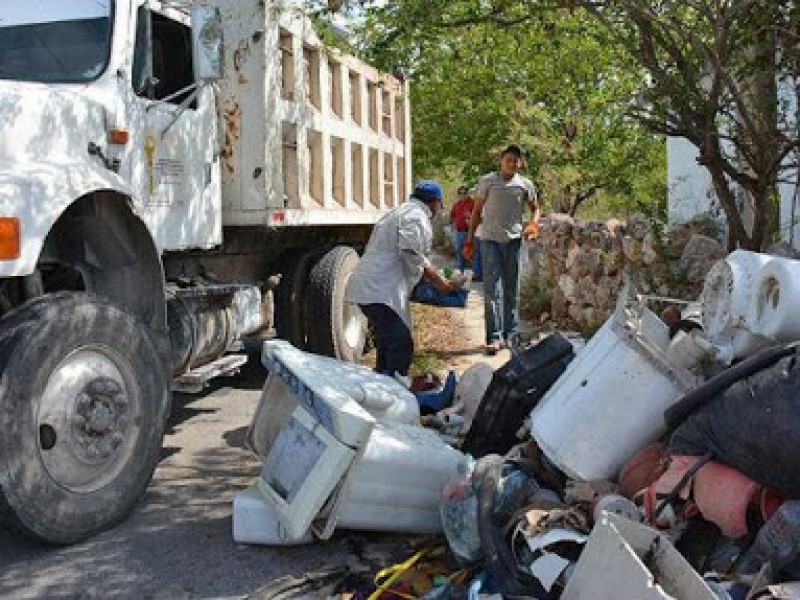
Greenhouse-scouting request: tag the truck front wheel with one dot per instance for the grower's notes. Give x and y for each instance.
(84, 399)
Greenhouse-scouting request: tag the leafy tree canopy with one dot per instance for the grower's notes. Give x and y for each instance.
(553, 81)
(705, 70)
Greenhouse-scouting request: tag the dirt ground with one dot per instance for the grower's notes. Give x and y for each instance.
(452, 337)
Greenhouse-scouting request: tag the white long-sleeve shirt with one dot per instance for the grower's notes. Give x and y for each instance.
(392, 264)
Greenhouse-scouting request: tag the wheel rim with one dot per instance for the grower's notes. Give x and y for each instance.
(88, 418)
(353, 320)
(353, 325)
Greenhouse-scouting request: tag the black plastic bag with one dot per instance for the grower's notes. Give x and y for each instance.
(753, 426)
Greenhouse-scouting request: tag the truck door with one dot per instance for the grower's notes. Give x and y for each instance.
(175, 135)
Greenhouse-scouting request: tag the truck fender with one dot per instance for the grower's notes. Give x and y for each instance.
(83, 214)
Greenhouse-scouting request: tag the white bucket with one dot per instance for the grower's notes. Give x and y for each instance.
(728, 293)
(775, 305)
(610, 401)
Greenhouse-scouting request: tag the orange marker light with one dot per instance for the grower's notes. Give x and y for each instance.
(9, 238)
(118, 136)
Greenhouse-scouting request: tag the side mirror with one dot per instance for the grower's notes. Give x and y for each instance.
(207, 44)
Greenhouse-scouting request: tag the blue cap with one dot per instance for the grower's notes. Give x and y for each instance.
(428, 191)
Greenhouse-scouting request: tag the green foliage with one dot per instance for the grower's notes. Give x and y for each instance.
(535, 296)
(705, 70)
(553, 82)
(712, 69)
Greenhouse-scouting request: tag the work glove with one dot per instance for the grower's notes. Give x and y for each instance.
(531, 230)
(468, 250)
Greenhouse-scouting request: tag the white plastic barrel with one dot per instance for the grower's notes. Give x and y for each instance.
(776, 299)
(610, 401)
(727, 299)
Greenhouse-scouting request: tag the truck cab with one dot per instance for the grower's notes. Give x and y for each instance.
(168, 185)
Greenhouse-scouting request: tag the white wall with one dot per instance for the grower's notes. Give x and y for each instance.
(690, 190)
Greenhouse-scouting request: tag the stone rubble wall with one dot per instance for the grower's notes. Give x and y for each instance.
(581, 264)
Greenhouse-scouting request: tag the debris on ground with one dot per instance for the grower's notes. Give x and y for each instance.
(661, 460)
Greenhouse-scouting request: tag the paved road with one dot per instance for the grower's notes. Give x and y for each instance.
(177, 543)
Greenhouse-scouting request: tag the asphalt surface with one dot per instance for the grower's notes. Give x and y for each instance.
(178, 543)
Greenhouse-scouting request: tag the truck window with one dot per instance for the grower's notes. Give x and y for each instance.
(171, 59)
(54, 41)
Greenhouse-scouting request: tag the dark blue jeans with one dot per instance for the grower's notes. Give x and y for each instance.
(500, 283)
(392, 339)
(477, 265)
(461, 262)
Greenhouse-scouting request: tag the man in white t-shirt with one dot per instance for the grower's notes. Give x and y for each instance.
(395, 259)
(500, 200)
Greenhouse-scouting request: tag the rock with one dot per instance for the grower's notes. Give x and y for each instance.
(783, 250)
(698, 257)
(638, 226)
(558, 305)
(632, 249)
(588, 261)
(649, 254)
(572, 253)
(567, 286)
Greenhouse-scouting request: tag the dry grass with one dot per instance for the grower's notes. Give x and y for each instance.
(438, 332)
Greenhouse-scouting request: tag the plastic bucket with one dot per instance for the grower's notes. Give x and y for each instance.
(774, 306)
(610, 401)
(728, 293)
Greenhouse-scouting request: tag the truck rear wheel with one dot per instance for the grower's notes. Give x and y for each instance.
(289, 304)
(84, 399)
(335, 327)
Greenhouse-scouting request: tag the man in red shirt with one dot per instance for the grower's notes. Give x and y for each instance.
(460, 216)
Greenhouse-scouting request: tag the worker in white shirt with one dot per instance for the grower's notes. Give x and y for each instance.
(395, 259)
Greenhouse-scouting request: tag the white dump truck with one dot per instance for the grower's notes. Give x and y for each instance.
(162, 167)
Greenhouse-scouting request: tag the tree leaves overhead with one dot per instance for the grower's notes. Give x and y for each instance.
(485, 73)
(713, 68)
(721, 73)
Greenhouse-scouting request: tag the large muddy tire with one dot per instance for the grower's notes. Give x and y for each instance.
(290, 322)
(84, 399)
(334, 327)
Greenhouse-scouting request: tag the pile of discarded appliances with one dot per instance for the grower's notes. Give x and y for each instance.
(660, 460)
